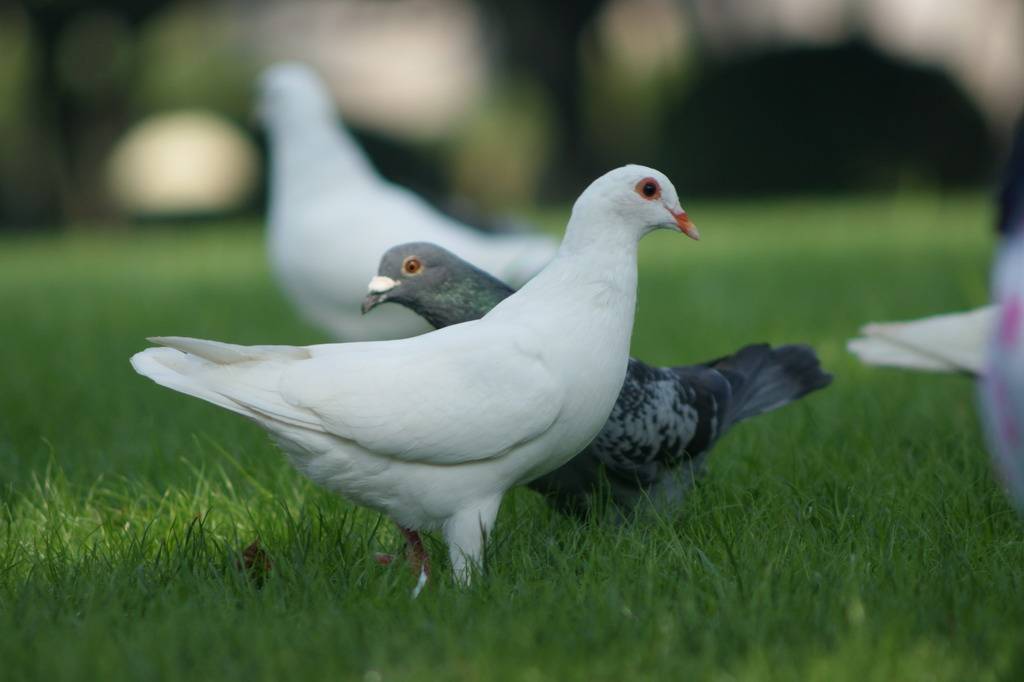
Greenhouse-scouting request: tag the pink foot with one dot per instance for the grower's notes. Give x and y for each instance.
(415, 554)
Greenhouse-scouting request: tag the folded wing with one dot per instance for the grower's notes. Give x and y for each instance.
(445, 398)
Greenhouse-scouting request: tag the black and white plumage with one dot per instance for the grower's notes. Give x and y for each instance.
(665, 420)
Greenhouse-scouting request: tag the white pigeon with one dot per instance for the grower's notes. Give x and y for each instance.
(954, 342)
(432, 430)
(1001, 389)
(332, 215)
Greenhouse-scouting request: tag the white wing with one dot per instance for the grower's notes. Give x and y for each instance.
(942, 343)
(444, 398)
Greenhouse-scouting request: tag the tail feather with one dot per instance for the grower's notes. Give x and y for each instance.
(953, 342)
(176, 370)
(765, 378)
(222, 353)
(875, 350)
(204, 369)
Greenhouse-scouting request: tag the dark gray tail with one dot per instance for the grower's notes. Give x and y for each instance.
(765, 378)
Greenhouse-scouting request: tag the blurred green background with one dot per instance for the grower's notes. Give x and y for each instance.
(119, 110)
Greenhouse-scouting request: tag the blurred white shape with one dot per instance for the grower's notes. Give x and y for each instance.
(407, 67)
(740, 25)
(182, 162)
(953, 342)
(644, 35)
(981, 44)
(912, 28)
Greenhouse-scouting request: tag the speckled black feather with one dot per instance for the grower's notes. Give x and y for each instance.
(665, 420)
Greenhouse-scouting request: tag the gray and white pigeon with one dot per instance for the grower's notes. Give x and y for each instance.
(432, 430)
(666, 419)
(331, 215)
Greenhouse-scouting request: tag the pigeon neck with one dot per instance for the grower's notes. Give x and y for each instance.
(596, 262)
(316, 148)
(597, 237)
(462, 299)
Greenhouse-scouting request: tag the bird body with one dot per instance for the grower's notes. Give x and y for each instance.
(1001, 389)
(665, 419)
(986, 343)
(952, 342)
(331, 215)
(431, 430)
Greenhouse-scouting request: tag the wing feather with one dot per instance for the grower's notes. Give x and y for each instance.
(461, 394)
(452, 396)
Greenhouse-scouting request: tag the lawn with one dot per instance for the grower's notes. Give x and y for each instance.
(858, 535)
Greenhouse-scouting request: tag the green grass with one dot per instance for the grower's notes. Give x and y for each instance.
(857, 535)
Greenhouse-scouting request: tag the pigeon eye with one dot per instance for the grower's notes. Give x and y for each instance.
(412, 265)
(648, 188)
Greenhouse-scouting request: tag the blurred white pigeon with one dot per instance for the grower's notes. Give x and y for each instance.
(987, 343)
(955, 342)
(1002, 387)
(1002, 390)
(331, 215)
(432, 430)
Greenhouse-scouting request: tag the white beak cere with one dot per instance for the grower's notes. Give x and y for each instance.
(379, 285)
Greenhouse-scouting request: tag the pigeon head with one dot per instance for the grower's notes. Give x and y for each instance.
(636, 196)
(434, 283)
(292, 91)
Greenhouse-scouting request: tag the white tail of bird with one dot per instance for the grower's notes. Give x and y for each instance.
(955, 342)
(242, 379)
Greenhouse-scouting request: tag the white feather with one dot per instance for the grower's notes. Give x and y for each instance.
(955, 342)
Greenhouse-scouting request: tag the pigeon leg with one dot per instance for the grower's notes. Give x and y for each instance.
(416, 555)
(415, 552)
(384, 559)
(466, 534)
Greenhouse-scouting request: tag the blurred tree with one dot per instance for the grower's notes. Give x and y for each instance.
(192, 55)
(79, 96)
(540, 40)
(823, 119)
(636, 56)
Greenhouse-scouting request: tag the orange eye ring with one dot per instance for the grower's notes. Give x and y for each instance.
(412, 265)
(649, 189)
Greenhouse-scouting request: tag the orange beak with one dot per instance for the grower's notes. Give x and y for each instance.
(686, 226)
